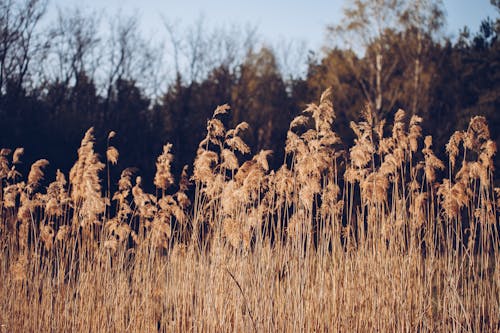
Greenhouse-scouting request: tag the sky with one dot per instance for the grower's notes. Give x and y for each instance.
(275, 20)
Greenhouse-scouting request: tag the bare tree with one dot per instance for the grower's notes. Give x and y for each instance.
(74, 47)
(422, 19)
(121, 43)
(130, 57)
(363, 28)
(175, 43)
(394, 36)
(291, 56)
(198, 49)
(18, 40)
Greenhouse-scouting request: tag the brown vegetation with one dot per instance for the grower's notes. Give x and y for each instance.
(383, 236)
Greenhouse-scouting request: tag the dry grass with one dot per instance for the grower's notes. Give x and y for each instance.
(382, 237)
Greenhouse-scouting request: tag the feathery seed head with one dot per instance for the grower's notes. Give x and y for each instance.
(452, 147)
(36, 174)
(229, 160)
(477, 133)
(415, 132)
(221, 109)
(112, 155)
(204, 164)
(237, 144)
(16, 157)
(163, 177)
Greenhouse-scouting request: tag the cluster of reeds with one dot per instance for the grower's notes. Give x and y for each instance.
(382, 236)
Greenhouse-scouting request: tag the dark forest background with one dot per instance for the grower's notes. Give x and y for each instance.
(59, 79)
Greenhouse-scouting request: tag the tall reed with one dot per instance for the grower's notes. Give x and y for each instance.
(382, 236)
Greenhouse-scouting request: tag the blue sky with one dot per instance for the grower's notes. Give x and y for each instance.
(278, 19)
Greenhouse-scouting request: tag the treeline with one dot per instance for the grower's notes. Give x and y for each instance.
(59, 79)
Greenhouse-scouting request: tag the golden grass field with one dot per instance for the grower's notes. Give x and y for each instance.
(382, 236)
